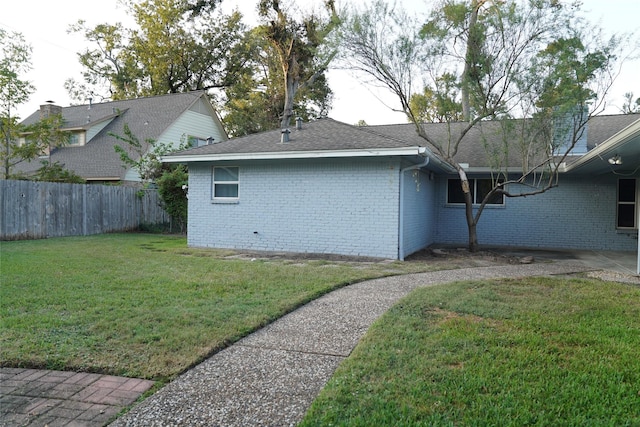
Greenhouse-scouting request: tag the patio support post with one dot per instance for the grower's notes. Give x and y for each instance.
(638, 223)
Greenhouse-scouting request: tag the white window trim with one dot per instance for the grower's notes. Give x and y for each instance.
(215, 199)
(200, 141)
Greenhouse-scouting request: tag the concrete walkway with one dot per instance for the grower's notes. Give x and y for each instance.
(271, 377)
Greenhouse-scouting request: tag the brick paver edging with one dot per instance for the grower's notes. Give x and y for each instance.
(31, 397)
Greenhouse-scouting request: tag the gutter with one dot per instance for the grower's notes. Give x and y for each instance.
(315, 154)
(424, 163)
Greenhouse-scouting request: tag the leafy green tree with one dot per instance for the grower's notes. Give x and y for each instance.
(15, 60)
(302, 48)
(172, 188)
(169, 51)
(183, 45)
(256, 101)
(38, 141)
(439, 104)
(145, 158)
(141, 156)
(56, 172)
(111, 70)
(538, 61)
(41, 138)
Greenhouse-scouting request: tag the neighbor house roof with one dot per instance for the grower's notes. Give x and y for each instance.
(147, 118)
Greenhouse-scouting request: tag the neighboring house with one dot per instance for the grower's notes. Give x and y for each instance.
(169, 119)
(377, 191)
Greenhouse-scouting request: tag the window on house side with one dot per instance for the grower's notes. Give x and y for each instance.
(479, 189)
(627, 203)
(226, 181)
(194, 141)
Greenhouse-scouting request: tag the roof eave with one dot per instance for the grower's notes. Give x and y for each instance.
(316, 154)
(489, 170)
(610, 144)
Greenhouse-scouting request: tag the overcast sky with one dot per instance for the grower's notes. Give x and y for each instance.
(44, 24)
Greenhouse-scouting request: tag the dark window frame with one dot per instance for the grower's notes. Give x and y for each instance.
(454, 191)
(627, 204)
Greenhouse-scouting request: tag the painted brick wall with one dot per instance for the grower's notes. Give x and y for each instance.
(579, 213)
(418, 212)
(335, 206)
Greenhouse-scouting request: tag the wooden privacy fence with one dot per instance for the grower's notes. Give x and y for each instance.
(36, 210)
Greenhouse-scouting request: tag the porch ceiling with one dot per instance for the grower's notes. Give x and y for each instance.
(624, 146)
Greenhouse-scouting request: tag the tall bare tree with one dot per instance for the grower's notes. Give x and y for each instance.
(537, 61)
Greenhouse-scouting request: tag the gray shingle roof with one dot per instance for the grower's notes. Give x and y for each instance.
(318, 135)
(147, 118)
(472, 149)
(331, 135)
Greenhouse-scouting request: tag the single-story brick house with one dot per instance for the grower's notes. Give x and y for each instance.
(379, 191)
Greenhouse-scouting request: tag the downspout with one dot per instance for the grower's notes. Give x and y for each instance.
(401, 208)
(638, 254)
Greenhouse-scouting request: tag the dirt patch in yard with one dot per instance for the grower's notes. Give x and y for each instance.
(445, 258)
(461, 257)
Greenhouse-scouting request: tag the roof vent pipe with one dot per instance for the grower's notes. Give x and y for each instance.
(284, 137)
(298, 123)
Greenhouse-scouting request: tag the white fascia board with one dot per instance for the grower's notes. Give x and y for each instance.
(610, 144)
(374, 152)
(488, 170)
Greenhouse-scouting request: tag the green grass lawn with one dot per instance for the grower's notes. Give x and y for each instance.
(528, 352)
(145, 305)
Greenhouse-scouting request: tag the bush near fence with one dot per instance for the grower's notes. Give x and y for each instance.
(37, 210)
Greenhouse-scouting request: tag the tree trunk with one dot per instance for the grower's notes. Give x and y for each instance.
(469, 59)
(7, 143)
(468, 205)
(291, 83)
(473, 236)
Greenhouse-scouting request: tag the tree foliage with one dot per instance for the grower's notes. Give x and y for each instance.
(256, 101)
(301, 48)
(142, 156)
(439, 104)
(169, 51)
(630, 106)
(56, 172)
(182, 45)
(42, 137)
(36, 141)
(537, 61)
(145, 158)
(15, 61)
(172, 188)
